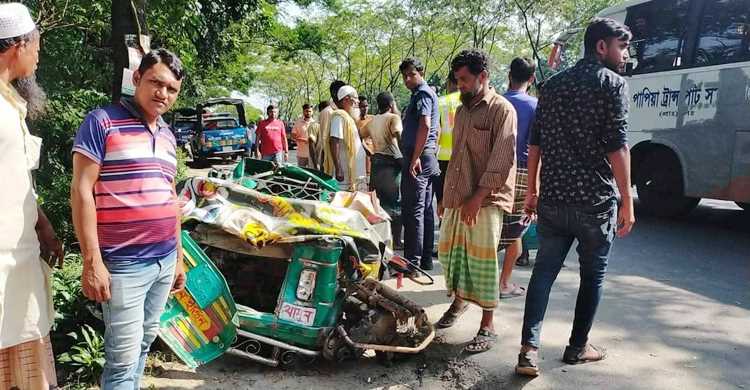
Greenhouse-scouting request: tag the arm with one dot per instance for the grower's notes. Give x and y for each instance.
(256, 147)
(534, 161)
(620, 161)
(335, 138)
(532, 194)
(614, 140)
(95, 277)
(51, 248)
(283, 139)
(335, 142)
(501, 161)
(179, 270)
(422, 131)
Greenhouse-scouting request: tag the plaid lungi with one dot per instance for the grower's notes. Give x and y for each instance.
(28, 365)
(513, 228)
(469, 256)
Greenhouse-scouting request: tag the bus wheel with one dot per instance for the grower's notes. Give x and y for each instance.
(660, 186)
(744, 206)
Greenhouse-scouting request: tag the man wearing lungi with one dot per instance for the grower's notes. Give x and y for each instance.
(478, 190)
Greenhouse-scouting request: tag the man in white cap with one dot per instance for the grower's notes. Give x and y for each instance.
(344, 153)
(26, 314)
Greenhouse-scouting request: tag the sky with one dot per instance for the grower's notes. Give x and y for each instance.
(289, 14)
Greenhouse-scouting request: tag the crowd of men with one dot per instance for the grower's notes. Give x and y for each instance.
(495, 162)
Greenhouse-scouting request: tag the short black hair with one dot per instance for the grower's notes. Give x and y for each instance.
(521, 69)
(162, 56)
(476, 60)
(363, 98)
(385, 100)
(306, 106)
(334, 89)
(603, 29)
(323, 105)
(411, 62)
(452, 77)
(270, 107)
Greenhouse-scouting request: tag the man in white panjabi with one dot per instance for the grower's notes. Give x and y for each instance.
(26, 236)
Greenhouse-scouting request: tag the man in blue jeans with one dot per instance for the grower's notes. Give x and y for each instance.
(126, 216)
(580, 128)
(420, 168)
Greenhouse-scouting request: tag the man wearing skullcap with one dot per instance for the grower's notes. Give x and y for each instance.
(26, 313)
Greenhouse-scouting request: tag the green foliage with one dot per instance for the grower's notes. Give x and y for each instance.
(85, 360)
(182, 168)
(57, 129)
(70, 304)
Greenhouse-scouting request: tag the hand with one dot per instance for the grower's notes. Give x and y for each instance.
(95, 280)
(416, 167)
(530, 205)
(179, 275)
(470, 211)
(440, 210)
(625, 218)
(339, 176)
(286, 156)
(51, 249)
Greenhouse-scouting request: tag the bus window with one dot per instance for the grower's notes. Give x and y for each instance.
(659, 30)
(725, 29)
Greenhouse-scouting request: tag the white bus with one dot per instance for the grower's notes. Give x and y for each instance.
(689, 83)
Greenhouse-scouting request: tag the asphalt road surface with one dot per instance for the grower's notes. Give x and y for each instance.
(675, 315)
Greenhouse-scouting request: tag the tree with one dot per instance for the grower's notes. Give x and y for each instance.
(128, 18)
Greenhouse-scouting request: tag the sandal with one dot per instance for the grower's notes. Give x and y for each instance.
(514, 291)
(450, 316)
(483, 341)
(587, 354)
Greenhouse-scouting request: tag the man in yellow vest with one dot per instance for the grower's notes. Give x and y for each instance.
(448, 105)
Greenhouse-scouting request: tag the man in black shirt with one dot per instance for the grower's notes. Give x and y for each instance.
(580, 137)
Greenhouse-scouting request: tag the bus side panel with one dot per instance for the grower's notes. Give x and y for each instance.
(697, 113)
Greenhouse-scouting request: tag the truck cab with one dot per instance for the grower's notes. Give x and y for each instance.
(220, 134)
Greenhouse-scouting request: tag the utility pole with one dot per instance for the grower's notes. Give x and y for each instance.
(128, 20)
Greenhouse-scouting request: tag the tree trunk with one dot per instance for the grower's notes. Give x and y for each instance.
(127, 18)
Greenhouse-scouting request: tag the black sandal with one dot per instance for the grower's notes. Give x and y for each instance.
(450, 316)
(482, 342)
(587, 354)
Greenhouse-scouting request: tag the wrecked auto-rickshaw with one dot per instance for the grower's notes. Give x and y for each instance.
(282, 280)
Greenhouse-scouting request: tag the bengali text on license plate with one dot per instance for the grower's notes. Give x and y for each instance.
(227, 149)
(299, 314)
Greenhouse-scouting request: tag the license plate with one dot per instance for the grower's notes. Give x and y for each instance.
(227, 149)
(299, 314)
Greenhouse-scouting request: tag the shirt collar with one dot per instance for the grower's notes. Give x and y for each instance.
(132, 107)
(486, 98)
(589, 61)
(419, 86)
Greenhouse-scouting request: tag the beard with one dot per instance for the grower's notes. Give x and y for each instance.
(32, 92)
(353, 112)
(468, 97)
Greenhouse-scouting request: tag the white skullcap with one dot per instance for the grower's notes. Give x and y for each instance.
(347, 90)
(15, 20)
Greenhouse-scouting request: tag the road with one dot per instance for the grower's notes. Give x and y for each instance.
(675, 315)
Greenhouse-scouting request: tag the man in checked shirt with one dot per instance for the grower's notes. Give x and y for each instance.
(478, 190)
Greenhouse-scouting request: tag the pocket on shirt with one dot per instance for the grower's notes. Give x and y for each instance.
(479, 141)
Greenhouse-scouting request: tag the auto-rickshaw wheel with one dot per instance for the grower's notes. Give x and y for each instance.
(289, 360)
(336, 349)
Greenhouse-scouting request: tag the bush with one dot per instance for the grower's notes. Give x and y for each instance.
(85, 360)
(57, 128)
(76, 333)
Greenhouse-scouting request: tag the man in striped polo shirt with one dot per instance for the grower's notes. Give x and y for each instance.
(126, 216)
